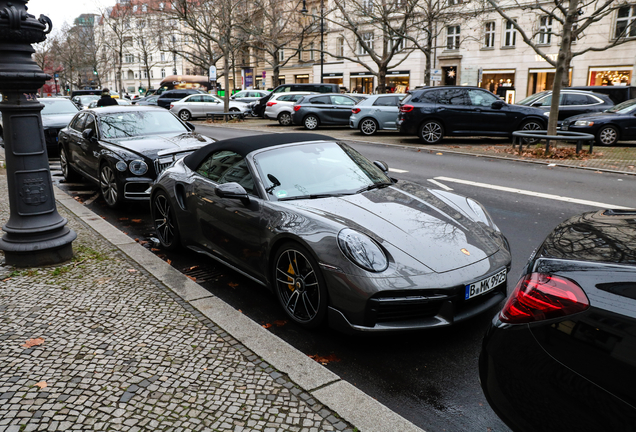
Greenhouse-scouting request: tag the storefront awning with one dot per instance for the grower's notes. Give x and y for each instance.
(499, 71)
(361, 75)
(611, 68)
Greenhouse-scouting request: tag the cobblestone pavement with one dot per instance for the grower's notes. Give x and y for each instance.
(114, 349)
(620, 158)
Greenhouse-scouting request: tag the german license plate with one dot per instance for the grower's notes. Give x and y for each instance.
(485, 285)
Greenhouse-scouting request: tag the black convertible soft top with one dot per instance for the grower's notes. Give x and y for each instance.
(248, 144)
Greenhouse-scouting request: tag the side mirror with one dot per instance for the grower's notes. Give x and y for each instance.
(190, 126)
(231, 190)
(88, 134)
(233, 97)
(382, 165)
(498, 104)
(536, 104)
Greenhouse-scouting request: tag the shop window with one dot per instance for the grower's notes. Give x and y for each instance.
(452, 37)
(489, 35)
(545, 30)
(614, 77)
(626, 22)
(510, 36)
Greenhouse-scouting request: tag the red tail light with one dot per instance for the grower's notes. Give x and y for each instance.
(541, 296)
(406, 108)
(171, 106)
(296, 107)
(356, 110)
(271, 103)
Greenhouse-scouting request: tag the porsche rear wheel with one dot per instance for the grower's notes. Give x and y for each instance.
(299, 285)
(165, 221)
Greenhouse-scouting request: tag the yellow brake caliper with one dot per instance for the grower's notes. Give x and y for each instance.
(290, 270)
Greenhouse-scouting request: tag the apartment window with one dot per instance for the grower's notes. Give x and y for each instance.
(368, 39)
(163, 57)
(367, 6)
(545, 30)
(135, 8)
(144, 8)
(163, 73)
(152, 75)
(396, 42)
(489, 35)
(129, 58)
(145, 74)
(454, 2)
(452, 37)
(281, 55)
(626, 22)
(188, 71)
(510, 36)
(161, 5)
(340, 47)
(311, 51)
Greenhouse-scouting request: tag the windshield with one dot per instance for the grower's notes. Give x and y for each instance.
(85, 100)
(58, 106)
(624, 107)
(322, 169)
(136, 123)
(529, 99)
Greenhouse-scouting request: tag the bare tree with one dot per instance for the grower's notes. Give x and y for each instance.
(69, 51)
(374, 31)
(567, 20)
(145, 42)
(116, 36)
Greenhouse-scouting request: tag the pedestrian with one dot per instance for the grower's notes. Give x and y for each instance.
(106, 100)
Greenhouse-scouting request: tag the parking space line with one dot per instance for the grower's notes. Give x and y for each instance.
(534, 194)
(399, 171)
(441, 185)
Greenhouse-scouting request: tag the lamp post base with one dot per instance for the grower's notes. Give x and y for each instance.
(28, 251)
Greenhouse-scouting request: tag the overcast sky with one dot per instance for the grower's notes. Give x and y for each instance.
(61, 11)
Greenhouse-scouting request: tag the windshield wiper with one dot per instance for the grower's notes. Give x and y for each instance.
(312, 196)
(374, 186)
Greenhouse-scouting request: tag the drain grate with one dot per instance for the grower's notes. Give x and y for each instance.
(202, 273)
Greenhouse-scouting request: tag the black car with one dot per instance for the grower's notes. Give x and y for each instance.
(332, 235)
(259, 108)
(572, 102)
(616, 124)
(123, 149)
(323, 109)
(167, 97)
(617, 93)
(561, 354)
(434, 112)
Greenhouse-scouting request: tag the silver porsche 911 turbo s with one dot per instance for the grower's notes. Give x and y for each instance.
(332, 235)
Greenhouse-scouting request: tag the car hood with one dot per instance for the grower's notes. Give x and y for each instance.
(415, 220)
(56, 120)
(150, 145)
(592, 117)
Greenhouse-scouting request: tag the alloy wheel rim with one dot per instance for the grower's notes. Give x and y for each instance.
(163, 222)
(185, 116)
(531, 126)
(108, 185)
(63, 163)
(285, 119)
(311, 122)
(608, 136)
(431, 132)
(368, 127)
(298, 286)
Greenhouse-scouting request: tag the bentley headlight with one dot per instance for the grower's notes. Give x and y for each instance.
(121, 166)
(138, 167)
(482, 214)
(363, 251)
(583, 123)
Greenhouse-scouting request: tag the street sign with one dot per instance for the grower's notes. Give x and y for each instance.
(436, 75)
(212, 73)
(263, 74)
(56, 75)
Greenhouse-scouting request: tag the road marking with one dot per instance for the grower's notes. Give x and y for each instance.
(534, 194)
(399, 171)
(438, 184)
(91, 199)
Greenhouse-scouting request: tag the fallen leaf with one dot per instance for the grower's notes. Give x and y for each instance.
(266, 326)
(123, 218)
(191, 277)
(324, 360)
(169, 261)
(280, 323)
(193, 268)
(439, 154)
(4, 280)
(240, 311)
(137, 240)
(33, 342)
(132, 271)
(205, 368)
(137, 220)
(42, 384)
(233, 285)
(143, 242)
(155, 250)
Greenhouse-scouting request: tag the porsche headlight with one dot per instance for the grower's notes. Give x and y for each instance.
(138, 167)
(362, 251)
(583, 123)
(480, 212)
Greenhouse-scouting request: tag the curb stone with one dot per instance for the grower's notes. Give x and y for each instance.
(350, 403)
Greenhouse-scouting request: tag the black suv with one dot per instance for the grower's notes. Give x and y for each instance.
(434, 112)
(170, 96)
(259, 108)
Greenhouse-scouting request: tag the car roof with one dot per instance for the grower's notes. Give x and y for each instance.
(128, 108)
(277, 95)
(246, 145)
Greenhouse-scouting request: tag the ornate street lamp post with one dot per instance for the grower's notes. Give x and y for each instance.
(35, 234)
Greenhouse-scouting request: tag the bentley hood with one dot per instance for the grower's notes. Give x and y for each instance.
(436, 231)
(151, 146)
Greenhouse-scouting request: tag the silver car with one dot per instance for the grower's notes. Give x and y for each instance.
(199, 105)
(248, 96)
(281, 106)
(377, 112)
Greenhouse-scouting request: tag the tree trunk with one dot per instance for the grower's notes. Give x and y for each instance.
(275, 72)
(226, 68)
(381, 79)
(428, 54)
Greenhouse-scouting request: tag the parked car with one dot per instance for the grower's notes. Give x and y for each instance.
(124, 149)
(56, 114)
(357, 96)
(618, 94)
(281, 106)
(323, 109)
(198, 105)
(146, 100)
(170, 96)
(247, 96)
(83, 101)
(377, 112)
(572, 102)
(332, 235)
(616, 124)
(435, 112)
(560, 354)
(259, 108)
(121, 102)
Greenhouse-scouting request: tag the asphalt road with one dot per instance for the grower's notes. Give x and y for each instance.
(428, 377)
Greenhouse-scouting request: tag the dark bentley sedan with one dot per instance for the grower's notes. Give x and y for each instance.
(323, 109)
(123, 149)
(561, 355)
(616, 124)
(571, 103)
(435, 112)
(332, 235)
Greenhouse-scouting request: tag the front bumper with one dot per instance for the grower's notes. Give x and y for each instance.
(136, 188)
